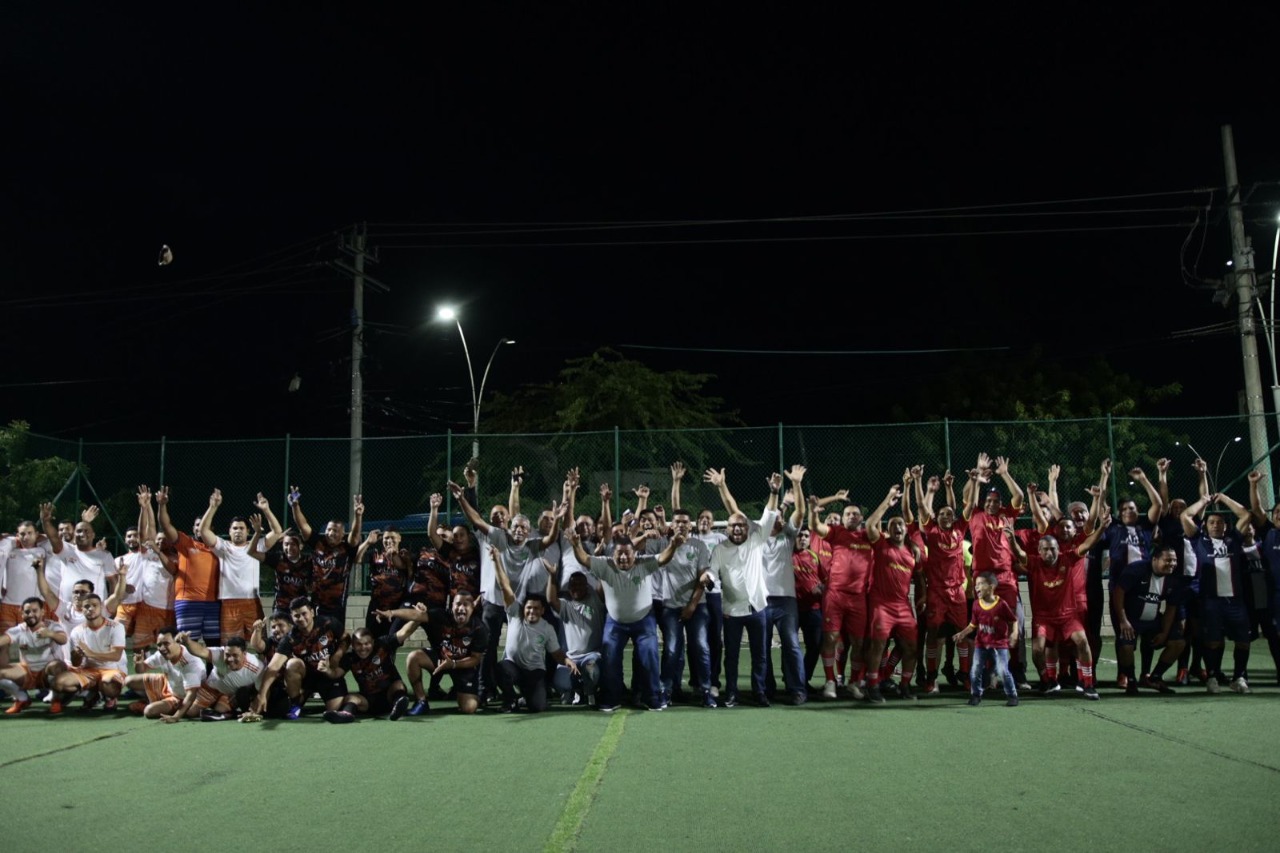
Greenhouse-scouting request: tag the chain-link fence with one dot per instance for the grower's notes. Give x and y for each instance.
(399, 474)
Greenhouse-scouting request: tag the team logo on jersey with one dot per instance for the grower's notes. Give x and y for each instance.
(466, 641)
(377, 661)
(324, 641)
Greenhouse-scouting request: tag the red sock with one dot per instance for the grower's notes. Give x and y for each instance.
(1051, 672)
(1086, 674)
(931, 663)
(873, 678)
(962, 650)
(857, 673)
(829, 668)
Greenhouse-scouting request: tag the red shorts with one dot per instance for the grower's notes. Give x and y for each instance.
(10, 615)
(32, 679)
(238, 616)
(92, 679)
(1058, 630)
(207, 697)
(845, 614)
(889, 619)
(946, 609)
(141, 622)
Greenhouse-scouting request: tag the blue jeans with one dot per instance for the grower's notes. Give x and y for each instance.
(978, 672)
(644, 635)
(715, 633)
(588, 665)
(674, 634)
(755, 627)
(811, 630)
(783, 613)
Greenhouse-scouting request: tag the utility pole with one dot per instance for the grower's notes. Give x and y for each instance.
(1246, 290)
(357, 358)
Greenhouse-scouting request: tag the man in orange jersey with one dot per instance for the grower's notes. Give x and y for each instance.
(195, 587)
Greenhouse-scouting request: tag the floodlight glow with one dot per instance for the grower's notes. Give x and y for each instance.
(447, 314)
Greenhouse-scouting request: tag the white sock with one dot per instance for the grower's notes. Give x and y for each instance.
(12, 688)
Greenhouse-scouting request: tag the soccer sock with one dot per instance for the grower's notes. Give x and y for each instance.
(857, 673)
(951, 649)
(349, 707)
(931, 661)
(1241, 657)
(962, 652)
(1086, 674)
(829, 666)
(12, 688)
(1051, 671)
(873, 678)
(1145, 647)
(1184, 657)
(1160, 668)
(1213, 661)
(842, 658)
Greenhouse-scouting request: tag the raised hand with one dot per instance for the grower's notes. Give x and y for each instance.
(932, 484)
(1200, 465)
(1055, 471)
(714, 477)
(162, 495)
(89, 514)
(917, 472)
(906, 477)
(357, 502)
(46, 511)
(215, 499)
(517, 475)
(641, 491)
(1162, 464)
(373, 537)
(144, 495)
(1136, 473)
(435, 500)
(984, 461)
(948, 478)
(677, 471)
(1255, 476)
(1002, 466)
(775, 482)
(454, 489)
(606, 493)
(1105, 468)
(295, 495)
(1032, 488)
(262, 503)
(796, 473)
(842, 494)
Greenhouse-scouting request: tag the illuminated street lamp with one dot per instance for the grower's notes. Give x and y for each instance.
(450, 315)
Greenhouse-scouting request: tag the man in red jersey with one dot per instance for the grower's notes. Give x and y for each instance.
(945, 610)
(844, 604)
(895, 558)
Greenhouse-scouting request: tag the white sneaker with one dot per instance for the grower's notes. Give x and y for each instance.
(1240, 686)
(829, 690)
(856, 691)
(1211, 684)
(715, 692)
(932, 689)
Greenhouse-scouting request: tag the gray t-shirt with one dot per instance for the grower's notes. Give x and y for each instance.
(626, 594)
(583, 624)
(523, 562)
(528, 645)
(680, 576)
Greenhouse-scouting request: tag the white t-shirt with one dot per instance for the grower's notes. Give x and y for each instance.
(37, 652)
(108, 635)
(156, 583)
(17, 576)
(711, 539)
(237, 571)
(226, 681)
(64, 570)
(741, 569)
(186, 673)
(779, 568)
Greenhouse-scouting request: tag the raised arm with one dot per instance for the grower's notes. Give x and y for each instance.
(468, 510)
(1202, 473)
(717, 479)
(572, 482)
(357, 512)
(206, 522)
(47, 592)
(1157, 506)
(816, 523)
(971, 490)
(50, 529)
(1015, 547)
(677, 475)
(162, 514)
(949, 481)
(433, 520)
(299, 518)
(1239, 510)
(1162, 476)
(873, 523)
(275, 531)
(508, 594)
(1055, 471)
(369, 542)
(796, 475)
(908, 482)
(1255, 500)
(1038, 514)
(557, 517)
(925, 501)
(513, 500)
(196, 647)
(146, 516)
(1189, 514)
(1015, 491)
(606, 511)
(840, 495)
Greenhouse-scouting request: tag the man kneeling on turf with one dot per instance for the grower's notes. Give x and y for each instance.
(372, 660)
(232, 682)
(169, 677)
(460, 641)
(314, 646)
(39, 641)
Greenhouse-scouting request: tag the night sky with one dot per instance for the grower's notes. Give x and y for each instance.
(489, 150)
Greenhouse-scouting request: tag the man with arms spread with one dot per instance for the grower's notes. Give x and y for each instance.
(305, 657)
(460, 640)
(372, 660)
(892, 572)
(684, 615)
(946, 611)
(239, 561)
(844, 607)
(333, 555)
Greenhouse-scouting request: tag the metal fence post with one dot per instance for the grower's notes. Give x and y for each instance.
(617, 466)
(163, 441)
(946, 440)
(1111, 454)
(782, 459)
(79, 475)
(448, 467)
(286, 468)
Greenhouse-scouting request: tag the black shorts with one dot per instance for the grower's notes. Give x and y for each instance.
(277, 699)
(328, 688)
(465, 680)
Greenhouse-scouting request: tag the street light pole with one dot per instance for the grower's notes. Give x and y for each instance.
(448, 314)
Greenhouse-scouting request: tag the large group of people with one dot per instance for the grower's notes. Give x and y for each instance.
(924, 591)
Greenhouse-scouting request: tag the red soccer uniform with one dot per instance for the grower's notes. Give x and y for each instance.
(944, 572)
(1053, 597)
(850, 560)
(809, 572)
(991, 623)
(890, 600)
(990, 549)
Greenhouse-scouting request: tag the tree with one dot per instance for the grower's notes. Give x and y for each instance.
(27, 482)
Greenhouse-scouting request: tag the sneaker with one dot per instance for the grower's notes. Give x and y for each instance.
(1122, 682)
(110, 704)
(1012, 702)
(55, 707)
(905, 691)
(1240, 686)
(398, 708)
(1052, 689)
(1157, 684)
(436, 693)
(931, 689)
(1090, 693)
(1131, 687)
(730, 700)
(339, 717)
(829, 690)
(975, 701)
(208, 715)
(661, 706)
(606, 709)
(1024, 686)
(799, 697)
(91, 700)
(140, 707)
(874, 696)
(1211, 685)
(509, 707)
(709, 701)
(715, 692)
(294, 712)
(762, 700)
(949, 673)
(419, 708)
(18, 706)
(1183, 677)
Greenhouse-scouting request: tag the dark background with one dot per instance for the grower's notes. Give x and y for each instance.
(248, 139)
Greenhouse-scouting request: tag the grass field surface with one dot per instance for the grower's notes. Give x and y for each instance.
(1185, 772)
